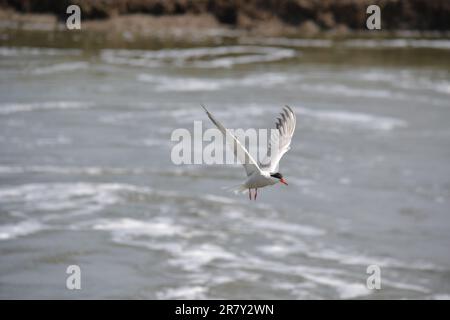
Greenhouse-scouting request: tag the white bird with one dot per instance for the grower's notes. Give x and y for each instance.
(265, 173)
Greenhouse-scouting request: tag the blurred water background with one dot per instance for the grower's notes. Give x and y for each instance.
(86, 176)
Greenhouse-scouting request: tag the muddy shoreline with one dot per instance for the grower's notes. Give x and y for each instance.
(131, 26)
(250, 14)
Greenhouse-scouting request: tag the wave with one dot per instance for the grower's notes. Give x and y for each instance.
(289, 42)
(407, 80)
(440, 296)
(73, 198)
(399, 43)
(360, 259)
(343, 90)
(204, 57)
(263, 56)
(404, 286)
(54, 141)
(120, 117)
(345, 289)
(165, 83)
(108, 171)
(90, 171)
(60, 67)
(193, 292)
(35, 51)
(351, 43)
(125, 227)
(364, 120)
(287, 227)
(360, 119)
(335, 279)
(10, 108)
(197, 256)
(23, 228)
(200, 246)
(252, 110)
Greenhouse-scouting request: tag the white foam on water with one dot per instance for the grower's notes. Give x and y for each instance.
(403, 286)
(440, 296)
(289, 42)
(352, 43)
(338, 279)
(165, 83)
(218, 199)
(266, 79)
(151, 142)
(119, 117)
(60, 67)
(73, 198)
(377, 75)
(331, 278)
(23, 228)
(344, 90)
(34, 51)
(407, 80)
(204, 57)
(228, 62)
(285, 227)
(277, 250)
(345, 290)
(90, 171)
(10, 108)
(300, 291)
(363, 260)
(132, 227)
(194, 292)
(308, 188)
(195, 257)
(399, 43)
(442, 87)
(360, 119)
(225, 112)
(53, 141)
(11, 170)
(188, 52)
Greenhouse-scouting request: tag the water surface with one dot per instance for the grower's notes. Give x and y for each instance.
(86, 176)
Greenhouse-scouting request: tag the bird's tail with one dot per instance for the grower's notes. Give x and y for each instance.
(240, 188)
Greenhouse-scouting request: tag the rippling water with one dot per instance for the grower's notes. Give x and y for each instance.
(86, 176)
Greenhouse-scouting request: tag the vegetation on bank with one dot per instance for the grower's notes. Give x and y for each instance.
(255, 14)
(177, 23)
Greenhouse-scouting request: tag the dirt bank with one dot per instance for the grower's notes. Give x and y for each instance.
(310, 15)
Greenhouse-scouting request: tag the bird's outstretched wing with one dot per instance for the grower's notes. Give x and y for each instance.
(250, 165)
(280, 140)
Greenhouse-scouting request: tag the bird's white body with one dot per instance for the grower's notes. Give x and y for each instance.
(259, 180)
(260, 175)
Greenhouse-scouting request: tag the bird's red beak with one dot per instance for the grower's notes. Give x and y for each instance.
(283, 181)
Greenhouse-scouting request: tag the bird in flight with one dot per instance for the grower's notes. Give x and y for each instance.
(265, 173)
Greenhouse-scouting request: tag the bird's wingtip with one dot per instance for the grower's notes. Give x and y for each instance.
(289, 108)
